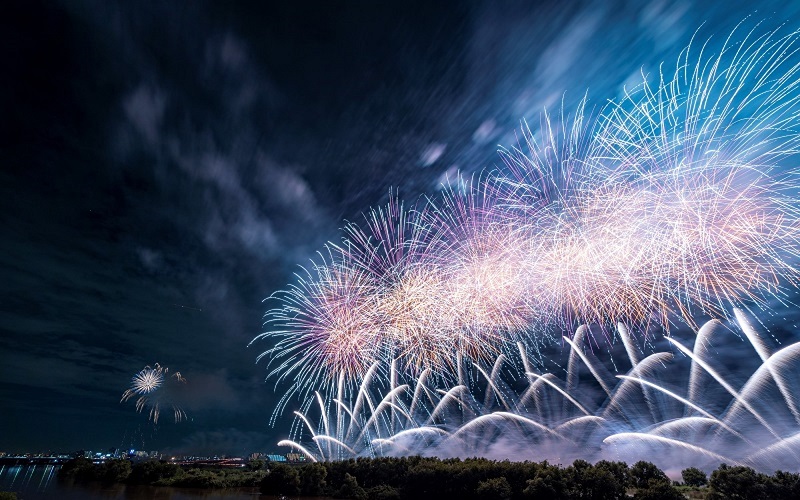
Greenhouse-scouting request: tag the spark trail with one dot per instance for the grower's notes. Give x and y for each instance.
(646, 412)
(676, 201)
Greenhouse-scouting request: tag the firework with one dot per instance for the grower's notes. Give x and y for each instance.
(481, 256)
(153, 388)
(681, 195)
(680, 409)
(679, 198)
(147, 380)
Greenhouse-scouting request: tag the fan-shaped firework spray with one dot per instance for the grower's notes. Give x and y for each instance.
(676, 408)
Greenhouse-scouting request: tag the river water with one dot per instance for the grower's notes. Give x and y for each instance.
(39, 482)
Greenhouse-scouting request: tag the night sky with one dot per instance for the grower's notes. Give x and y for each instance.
(168, 165)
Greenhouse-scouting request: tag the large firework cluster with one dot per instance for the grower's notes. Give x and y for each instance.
(679, 198)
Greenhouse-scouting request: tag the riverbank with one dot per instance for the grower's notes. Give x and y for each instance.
(393, 478)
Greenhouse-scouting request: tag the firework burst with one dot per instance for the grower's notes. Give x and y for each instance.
(679, 198)
(480, 254)
(681, 195)
(153, 388)
(147, 380)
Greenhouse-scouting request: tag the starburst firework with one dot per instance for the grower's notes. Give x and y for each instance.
(153, 388)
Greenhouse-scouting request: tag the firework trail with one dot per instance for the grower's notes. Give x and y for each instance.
(678, 409)
(153, 388)
(678, 200)
(682, 195)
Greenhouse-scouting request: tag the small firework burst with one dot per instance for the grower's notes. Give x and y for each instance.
(147, 380)
(154, 389)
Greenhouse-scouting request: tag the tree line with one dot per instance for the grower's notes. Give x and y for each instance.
(160, 473)
(475, 478)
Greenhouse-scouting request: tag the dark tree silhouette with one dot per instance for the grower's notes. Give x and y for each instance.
(351, 489)
(693, 476)
(741, 482)
(644, 473)
(659, 491)
(115, 471)
(549, 482)
(312, 479)
(494, 489)
(281, 480)
(153, 471)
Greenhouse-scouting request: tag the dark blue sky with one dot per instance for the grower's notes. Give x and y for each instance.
(167, 165)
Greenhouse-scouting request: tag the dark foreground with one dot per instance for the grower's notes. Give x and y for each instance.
(417, 477)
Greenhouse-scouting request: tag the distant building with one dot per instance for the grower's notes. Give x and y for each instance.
(275, 458)
(295, 457)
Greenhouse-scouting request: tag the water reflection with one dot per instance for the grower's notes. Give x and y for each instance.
(40, 482)
(27, 478)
